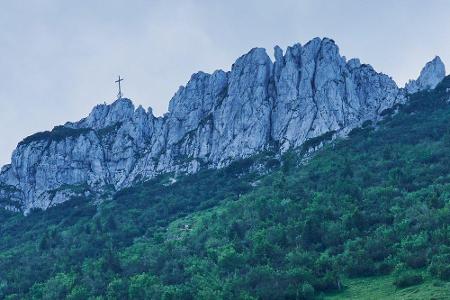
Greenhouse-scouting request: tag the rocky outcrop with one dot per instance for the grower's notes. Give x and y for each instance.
(430, 76)
(307, 92)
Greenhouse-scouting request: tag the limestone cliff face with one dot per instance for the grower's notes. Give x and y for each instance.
(215, 119)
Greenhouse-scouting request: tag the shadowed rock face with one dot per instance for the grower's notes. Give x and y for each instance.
(215, 119)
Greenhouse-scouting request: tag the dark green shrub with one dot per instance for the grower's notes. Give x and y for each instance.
(407, 279)
(57, 134)
(307, 291)
(440, 267)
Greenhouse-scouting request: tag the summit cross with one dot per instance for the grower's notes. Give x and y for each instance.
(119, 95)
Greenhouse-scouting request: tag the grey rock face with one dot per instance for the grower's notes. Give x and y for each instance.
(216, 118)
(430, 76)
(317, 91)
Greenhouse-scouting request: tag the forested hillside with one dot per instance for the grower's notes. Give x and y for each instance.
(374, 206)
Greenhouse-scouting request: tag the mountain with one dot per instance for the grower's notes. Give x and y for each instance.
(365, 217)
(310, 93)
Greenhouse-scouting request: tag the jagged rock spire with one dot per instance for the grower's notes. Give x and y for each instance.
(430, 76)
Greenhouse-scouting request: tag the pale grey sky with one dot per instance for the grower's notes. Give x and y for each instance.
(60, 58)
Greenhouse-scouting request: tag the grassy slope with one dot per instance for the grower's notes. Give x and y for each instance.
(366, 288)
(382, 287)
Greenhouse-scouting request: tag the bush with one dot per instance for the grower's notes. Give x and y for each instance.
(57, 134)
(78, 293)
(440, 267)
(407, 279)
(307, 291)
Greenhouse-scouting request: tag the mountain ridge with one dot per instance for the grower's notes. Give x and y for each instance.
(216, 118)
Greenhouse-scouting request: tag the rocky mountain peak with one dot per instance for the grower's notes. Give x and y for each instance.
(104, 115)
(430, 76)
(309, 92)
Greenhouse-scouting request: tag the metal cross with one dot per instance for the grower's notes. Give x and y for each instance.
(119, 95)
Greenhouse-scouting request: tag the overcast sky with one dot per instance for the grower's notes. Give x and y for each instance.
(60, 58)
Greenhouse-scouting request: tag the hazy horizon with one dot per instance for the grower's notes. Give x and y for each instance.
(61, 59)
